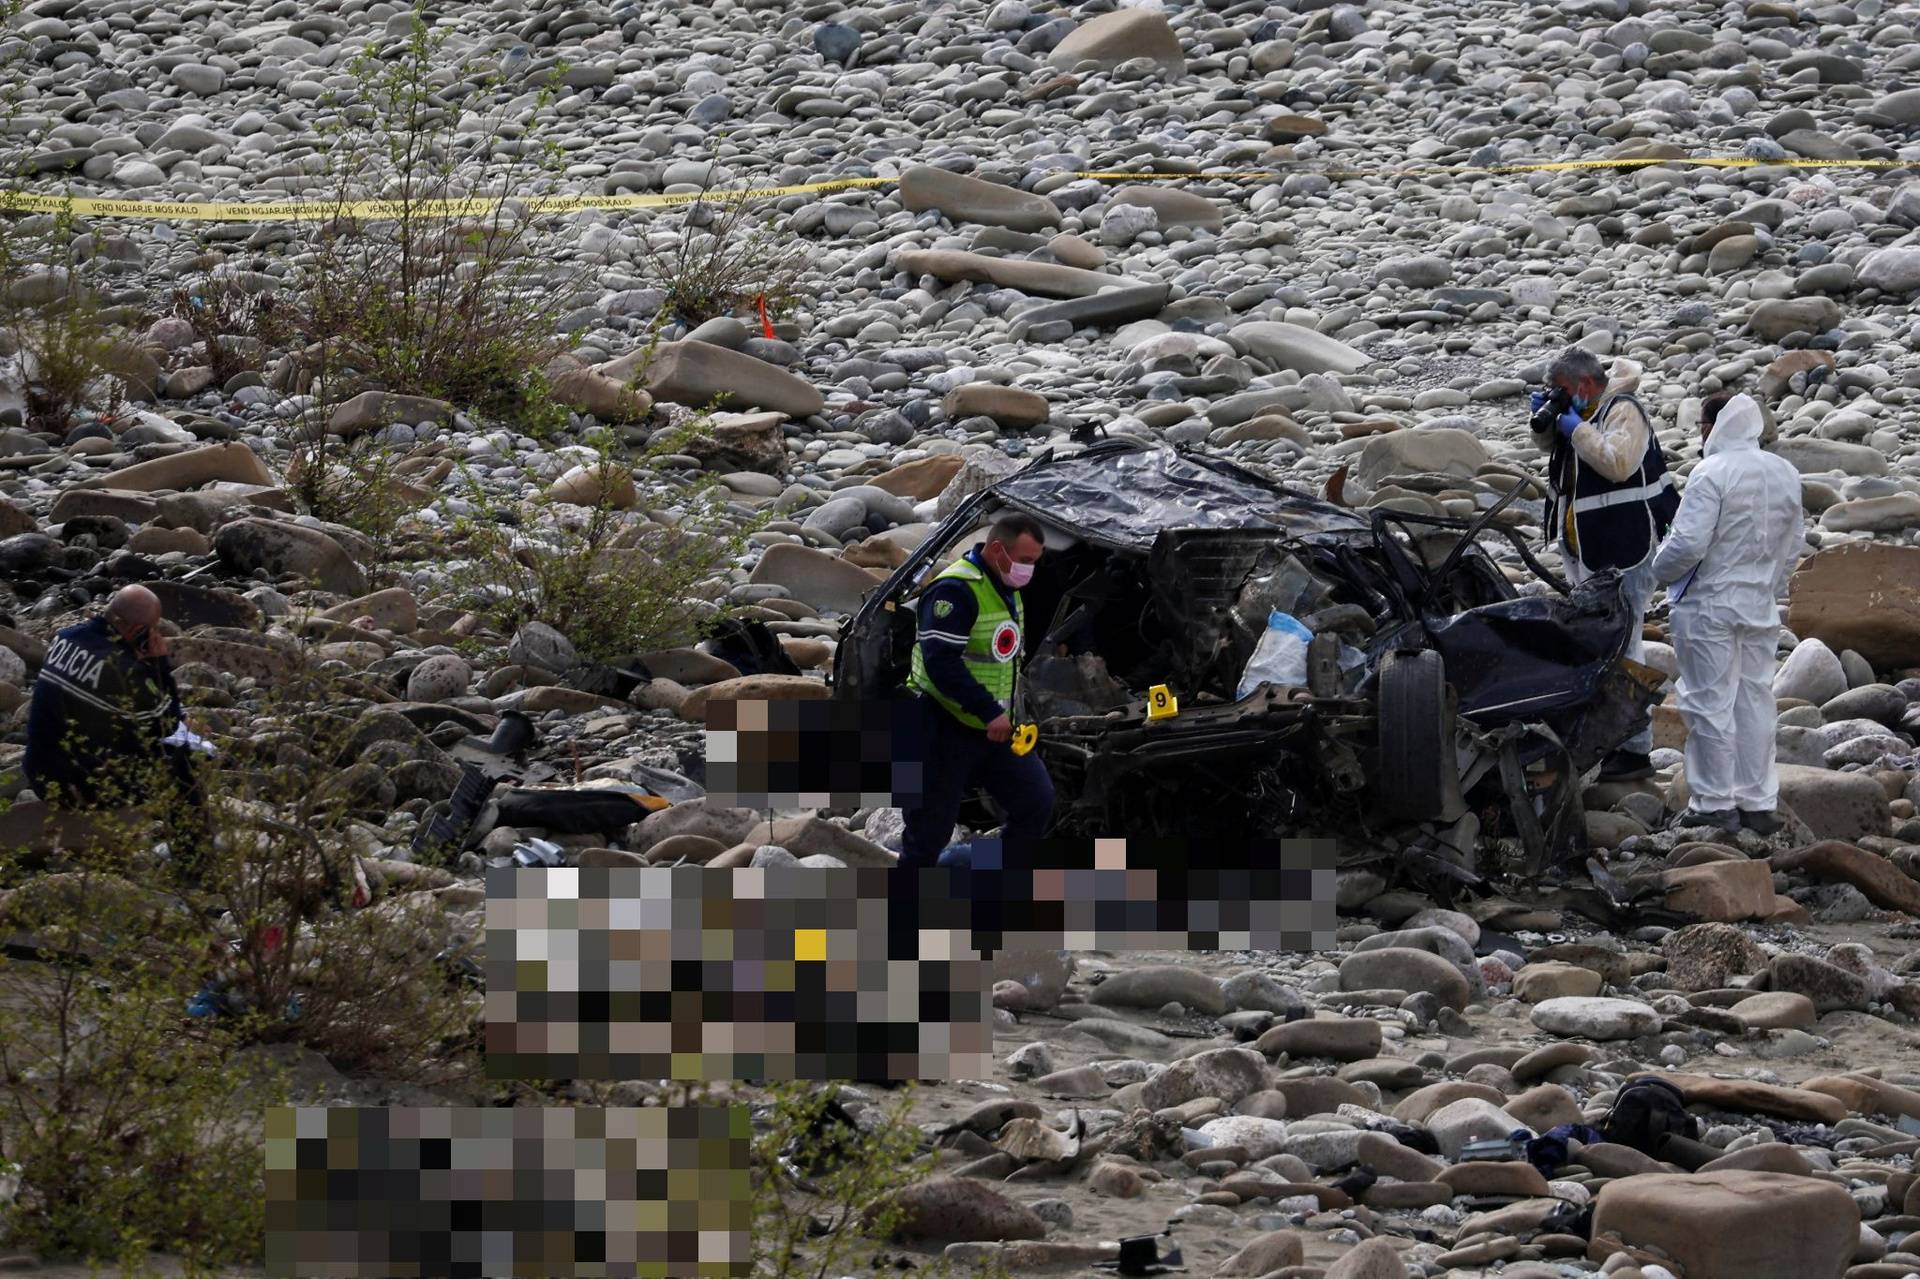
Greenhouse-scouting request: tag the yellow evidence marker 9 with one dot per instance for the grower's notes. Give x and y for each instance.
(1161, 703)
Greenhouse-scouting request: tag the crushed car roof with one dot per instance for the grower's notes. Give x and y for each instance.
(1123, 495)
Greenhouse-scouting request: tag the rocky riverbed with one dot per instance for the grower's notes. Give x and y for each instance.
(1367, 310)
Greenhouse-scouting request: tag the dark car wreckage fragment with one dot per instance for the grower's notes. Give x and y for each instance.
(1443, 711)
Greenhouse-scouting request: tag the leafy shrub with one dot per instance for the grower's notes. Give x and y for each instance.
(718, 255)
(409, 298)
(613, 583)
(232, 323)
(824, 1188)
(122, 1117)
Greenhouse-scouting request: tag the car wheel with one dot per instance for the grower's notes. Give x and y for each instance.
(1419, 774)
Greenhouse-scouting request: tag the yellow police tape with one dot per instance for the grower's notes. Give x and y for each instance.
(376, 210)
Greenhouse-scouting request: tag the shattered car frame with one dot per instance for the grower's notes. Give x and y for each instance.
(1443, 710)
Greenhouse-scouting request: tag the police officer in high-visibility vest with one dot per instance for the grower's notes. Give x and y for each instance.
(1613, 500)
(965, 662)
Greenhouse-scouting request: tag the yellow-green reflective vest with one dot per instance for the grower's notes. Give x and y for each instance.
(993, 647)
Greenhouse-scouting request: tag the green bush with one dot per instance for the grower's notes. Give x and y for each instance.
(717, 255)
(613, 583)
(411, 300)
(121, 1115)
(824, 1191)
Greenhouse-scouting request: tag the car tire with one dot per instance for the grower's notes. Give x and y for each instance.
(1419, 774)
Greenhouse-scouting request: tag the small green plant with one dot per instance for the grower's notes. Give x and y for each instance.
(233, 324)
(53, 322)
(716, 256)
(825, 1191)
(611, 582)
(356, 483)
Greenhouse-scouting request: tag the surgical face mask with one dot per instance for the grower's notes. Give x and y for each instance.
(1017, 575)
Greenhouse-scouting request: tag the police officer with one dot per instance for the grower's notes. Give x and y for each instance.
(1613, 500)
(104, 705)
(964, 665)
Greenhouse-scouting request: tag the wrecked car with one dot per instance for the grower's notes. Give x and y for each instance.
(1444, 712)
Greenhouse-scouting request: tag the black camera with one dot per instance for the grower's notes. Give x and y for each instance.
(1548, 415)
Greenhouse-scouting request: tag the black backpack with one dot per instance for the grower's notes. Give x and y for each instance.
(1645, 1113)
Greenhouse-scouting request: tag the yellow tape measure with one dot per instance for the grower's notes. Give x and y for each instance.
(1024, 737)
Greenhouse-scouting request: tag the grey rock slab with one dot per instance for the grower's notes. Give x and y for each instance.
(825, 581)
(1290, 346)
(697, 374)
(1111, 39)
(1119, 305)
(967, 199)
(1041, 279)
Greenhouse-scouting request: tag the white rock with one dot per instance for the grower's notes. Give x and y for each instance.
(1594, 1017)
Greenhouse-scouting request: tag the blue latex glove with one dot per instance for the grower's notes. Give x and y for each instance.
(1568, 422)
(1535, 401)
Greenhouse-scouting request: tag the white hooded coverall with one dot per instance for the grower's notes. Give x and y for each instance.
(1738, 532)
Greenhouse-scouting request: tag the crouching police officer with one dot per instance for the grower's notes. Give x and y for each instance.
(964, 666)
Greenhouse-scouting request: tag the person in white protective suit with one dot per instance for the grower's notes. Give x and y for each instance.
(1734, 543)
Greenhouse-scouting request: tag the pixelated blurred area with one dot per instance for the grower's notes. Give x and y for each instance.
(691, 973)
(812, 754)
(389, 1193)
(1143, 894)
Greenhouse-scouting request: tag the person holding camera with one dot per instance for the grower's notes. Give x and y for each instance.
(1612, 499)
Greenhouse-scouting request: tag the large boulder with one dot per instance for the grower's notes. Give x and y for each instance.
(750, 442)
(1404, 968)
(1537, 983)
(232, 461)
(698, 374)
(1340, 1038)
(1895, 269)
(1121, 36)
(1041, 279)
(1752, 1096)
(753, 688)
(961, 1208)
(611, 484)
(921, 480)
(1883, 883)
(965, 199)
(1469, 1119)
(1423, 451)
(1812, 673)
(815, 577)
(371, 410)
(592, 391)
(1734, 1225)
(1008, 406)
(1721, 891)
(1596, 1018)
(1864, 596)
(1830, 987)
(1777, 317)
(1226, 1073)
(1158, 984)
(283, 549)
(1293, 346)
(1811, 455)
(1707, 956)
(1842, 806)
(1174, 208)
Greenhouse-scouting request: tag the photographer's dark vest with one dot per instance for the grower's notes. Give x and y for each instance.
(1614, 524)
